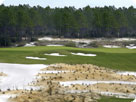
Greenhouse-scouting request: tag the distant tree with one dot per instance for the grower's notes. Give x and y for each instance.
(23, 22)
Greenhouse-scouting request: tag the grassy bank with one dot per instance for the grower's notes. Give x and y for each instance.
(112, 99)
(121, 59)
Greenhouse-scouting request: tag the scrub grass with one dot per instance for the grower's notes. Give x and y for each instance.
(120, 59)
(112, 99)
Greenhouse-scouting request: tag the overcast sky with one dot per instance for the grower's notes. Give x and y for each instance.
(76, 3)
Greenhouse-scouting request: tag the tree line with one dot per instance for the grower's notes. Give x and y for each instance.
(23, 22)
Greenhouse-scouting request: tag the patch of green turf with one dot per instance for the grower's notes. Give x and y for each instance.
(121, 59)
(112, 99)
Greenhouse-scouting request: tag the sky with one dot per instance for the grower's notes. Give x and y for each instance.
(76, 3)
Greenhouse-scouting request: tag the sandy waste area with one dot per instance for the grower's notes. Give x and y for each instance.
(63, 82)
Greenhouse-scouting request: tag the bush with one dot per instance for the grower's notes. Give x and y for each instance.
(70, 44)
(93, 44)
(5, 41)
(33, 39)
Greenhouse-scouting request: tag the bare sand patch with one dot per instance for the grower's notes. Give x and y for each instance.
(19, 75)
(55, 54)
(19, 78)
(31, 44)
(111, 46)
(53, 72)
(83, 54)
(87, 82)
(134, 100)
(126, 73)
(36, 58)
(5, 97)
(131, 47)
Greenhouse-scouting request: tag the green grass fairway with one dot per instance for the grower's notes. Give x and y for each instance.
(121, 59)
(112, 99)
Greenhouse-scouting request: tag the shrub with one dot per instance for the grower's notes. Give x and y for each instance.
(70, 44)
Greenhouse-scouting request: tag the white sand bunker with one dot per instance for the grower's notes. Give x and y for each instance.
(82, 54)
(31, 44)
(86, 82)
(45, 38)
(131, 46)
(54, 54)
(127, 73)
(5, 97)
(111, 46)
(76, 91)
(125, 39)
(53, 72)
(36, 58)
(19, 76)
(54, 45)
(134, 100)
